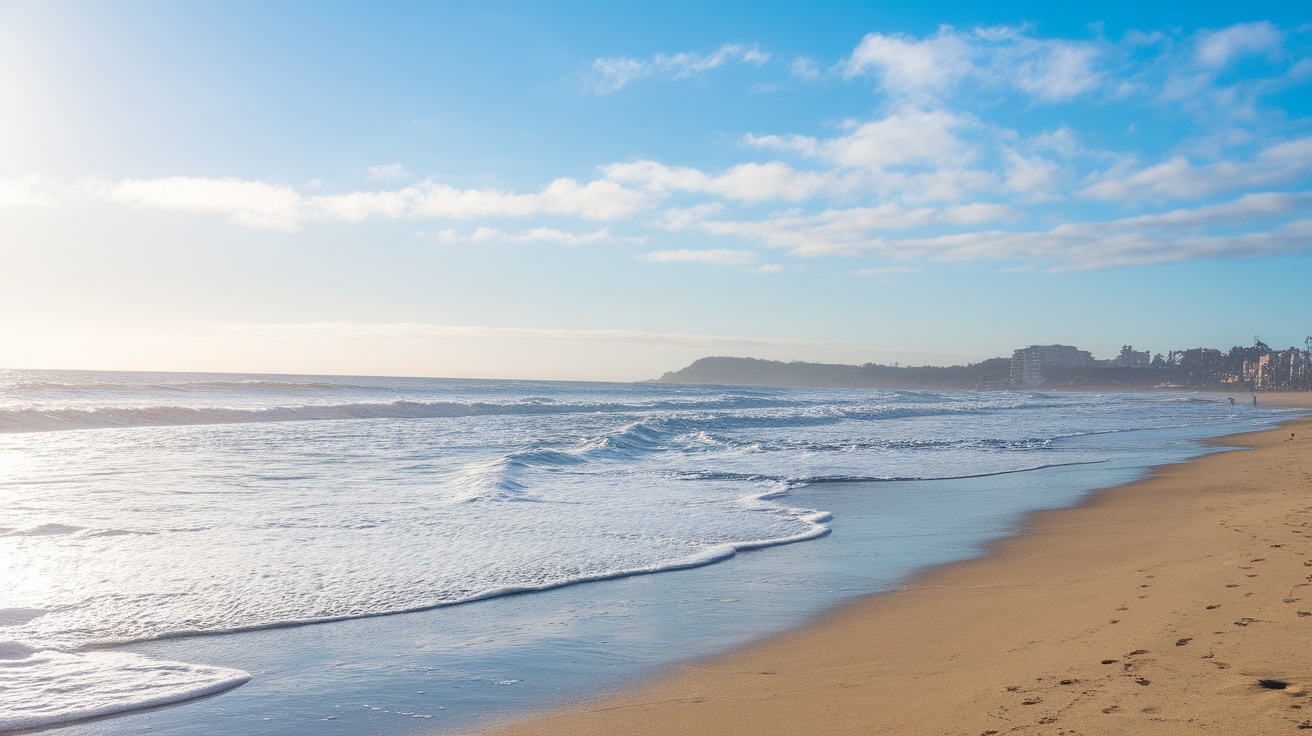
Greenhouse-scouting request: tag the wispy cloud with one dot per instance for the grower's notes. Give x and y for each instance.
(805, 68)
(1173, 236)
(1178, 178)
(1218, 48)
(253, 203)
(537, 235)
(265, 205)
(926, 68)
(716, 256)
(28, 191)
(612, 74)
(915, 67)
(849, 231)
(1085, 246)
(906, 137)
(750, 182)
(1178, 69)
(388, 171)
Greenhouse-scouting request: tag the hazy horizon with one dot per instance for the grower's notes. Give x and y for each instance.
(588, 192)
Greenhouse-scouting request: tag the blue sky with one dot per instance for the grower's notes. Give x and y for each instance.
(602, 191)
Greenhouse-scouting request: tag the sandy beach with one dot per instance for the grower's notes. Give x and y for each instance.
(1178, 604)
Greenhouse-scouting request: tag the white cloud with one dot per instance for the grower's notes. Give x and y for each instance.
(1219, 48)
(907, 66)
(907, 137)
(909, 156)
(749, 182)
(596, 200)
(539, 235)
(681, 218)
(1245, 209)
(717, 256)
(1063, 141)
(658, 177)
(253, 203)
(882, 271)
(688, 63)
(260, 204)
(1197, 73)
(1174, 236)
(979, 212)
(1050, 70)
(846, 231)
(1037, 179)
(754, 182)
(805, 68)
(925, 69)
(388, 171)
(28, 191)
(1100, 245)
(357, 206)
(612, 74)
(1178, 178)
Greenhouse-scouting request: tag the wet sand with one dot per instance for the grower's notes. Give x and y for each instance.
(1178, 604)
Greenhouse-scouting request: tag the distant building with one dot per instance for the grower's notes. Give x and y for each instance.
(1028, 364)
(1260, 373)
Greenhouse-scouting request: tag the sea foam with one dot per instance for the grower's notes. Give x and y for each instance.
(40, 688)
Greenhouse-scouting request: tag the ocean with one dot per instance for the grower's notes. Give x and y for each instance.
(167, 539)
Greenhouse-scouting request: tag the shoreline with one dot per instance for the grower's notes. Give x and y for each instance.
(1097, 618)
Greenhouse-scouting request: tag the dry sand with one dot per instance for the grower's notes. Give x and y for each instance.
(1180, 604)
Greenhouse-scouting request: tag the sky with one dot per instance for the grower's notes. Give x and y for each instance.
(608, 191)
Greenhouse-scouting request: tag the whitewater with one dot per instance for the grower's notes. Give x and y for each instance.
(152, 506)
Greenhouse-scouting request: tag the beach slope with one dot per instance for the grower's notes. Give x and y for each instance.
(1178, 604)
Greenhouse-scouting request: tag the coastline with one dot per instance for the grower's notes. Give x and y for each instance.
(1158, 606)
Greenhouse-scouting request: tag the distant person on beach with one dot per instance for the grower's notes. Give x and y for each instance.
(1232, 401)
(1254, 399)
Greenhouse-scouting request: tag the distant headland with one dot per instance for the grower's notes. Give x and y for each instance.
(1255, 368)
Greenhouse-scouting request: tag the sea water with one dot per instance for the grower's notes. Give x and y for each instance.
(145, 514)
